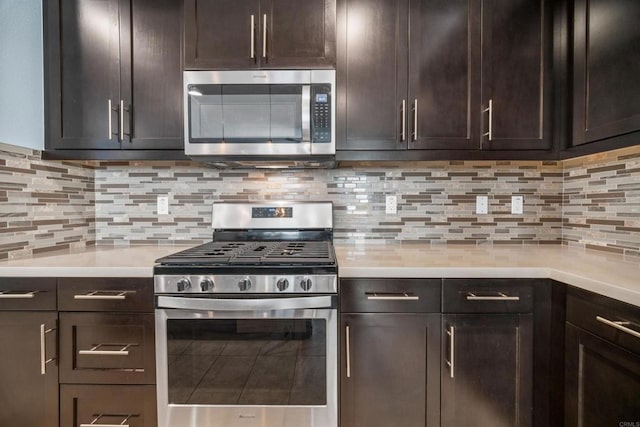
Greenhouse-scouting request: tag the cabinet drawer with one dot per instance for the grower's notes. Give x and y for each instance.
(609, 319)
(390, 295)
(112, 348)
(85, 405)
(101, 294)
(27, 293)
(487, 295)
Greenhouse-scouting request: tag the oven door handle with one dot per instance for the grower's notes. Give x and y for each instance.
(262, 304)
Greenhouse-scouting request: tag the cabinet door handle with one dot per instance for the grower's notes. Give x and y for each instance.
(415, 119)
(109, 120)
(348, 350)
(253, 37)
(451, 332)
(620, 325)
(121, 120)
(403, 296)
(25, 295)
(95, 423)
(43, 349)
(500, 297)
(264, 36)
(404, 120)
(489, 109)
(124, 351)
(119, 296)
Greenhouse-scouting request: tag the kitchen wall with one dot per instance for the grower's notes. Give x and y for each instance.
(601, 208)
(591, 202)
(436, 200)
(44, 205)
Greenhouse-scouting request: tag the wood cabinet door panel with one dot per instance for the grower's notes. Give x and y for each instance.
(515, 75)
(84, 73)
(29, 397)
(602, 384)
(153, 85)
(372, 75)
(218, 34)
(488, 380)
(393, 370)
(444, 74)
(299, 34)
(606, 64)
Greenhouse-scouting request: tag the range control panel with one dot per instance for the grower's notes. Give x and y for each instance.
(321, 111)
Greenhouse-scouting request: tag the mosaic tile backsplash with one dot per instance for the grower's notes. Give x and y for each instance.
(436, 203)
(44, 205)
(587, 202)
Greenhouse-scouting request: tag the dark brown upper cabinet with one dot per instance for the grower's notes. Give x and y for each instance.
(421, 74)
(241, 34)
(606, 66)
(113, 74)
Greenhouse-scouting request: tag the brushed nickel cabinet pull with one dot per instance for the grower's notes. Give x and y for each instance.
(403, 296)
(264, 36)
(121, 120)
(43, 349)
(97, 418)
(24, 295)
(95, 350)
(415, 119)
(109, 120)
(451, 332)
(253, 37)
(619, 325)
(95, 295)
(489, 109)
(500, 297)
(404, 120)
(348, 350)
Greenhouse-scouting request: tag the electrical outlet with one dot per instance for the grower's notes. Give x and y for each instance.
(163, 205)
(517, 205)
(482, 205)
(392, 205)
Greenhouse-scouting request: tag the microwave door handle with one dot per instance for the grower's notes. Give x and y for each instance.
(262, 304)
(306, 113)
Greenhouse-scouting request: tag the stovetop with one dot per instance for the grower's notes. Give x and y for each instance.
(254, 253)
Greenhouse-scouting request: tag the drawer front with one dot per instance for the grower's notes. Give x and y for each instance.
(27, 293)
(111, 348)
(487, 295)
(609, 319)
(390, 295)
(112, 294)
(86, 405)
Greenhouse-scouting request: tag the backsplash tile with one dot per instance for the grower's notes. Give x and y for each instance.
(436, 200)
(44, 205)
(591, 202)
(601, 206)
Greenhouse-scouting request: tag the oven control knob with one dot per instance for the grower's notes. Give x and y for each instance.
(306, 284)
(184, 284)
(206, 284)
(244, 284)
(282, 284)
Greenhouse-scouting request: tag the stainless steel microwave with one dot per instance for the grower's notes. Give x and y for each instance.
(262, 115)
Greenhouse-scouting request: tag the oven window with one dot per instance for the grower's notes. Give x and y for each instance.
(246, 113)
(247, 362)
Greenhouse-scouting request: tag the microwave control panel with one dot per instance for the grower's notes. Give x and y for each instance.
(321, 112)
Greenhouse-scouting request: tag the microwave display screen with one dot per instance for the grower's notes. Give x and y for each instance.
(322, 98)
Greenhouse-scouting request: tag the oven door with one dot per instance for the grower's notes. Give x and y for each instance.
(268, 362)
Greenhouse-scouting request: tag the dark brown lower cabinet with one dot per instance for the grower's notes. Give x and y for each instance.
(487, 370)
(84, 405)
(28, 388)
(390, 370)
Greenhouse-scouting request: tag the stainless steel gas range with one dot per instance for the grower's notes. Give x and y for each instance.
(246, 325)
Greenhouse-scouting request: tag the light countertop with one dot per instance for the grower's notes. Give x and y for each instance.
(601, 272)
